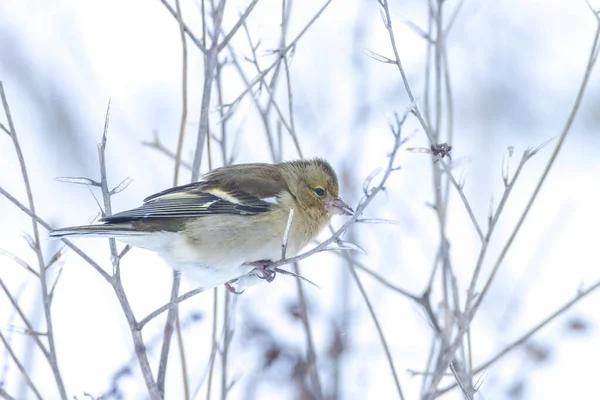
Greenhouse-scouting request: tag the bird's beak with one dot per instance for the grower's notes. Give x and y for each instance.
(337, 206)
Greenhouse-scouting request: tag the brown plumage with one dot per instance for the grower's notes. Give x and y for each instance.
(234, 216)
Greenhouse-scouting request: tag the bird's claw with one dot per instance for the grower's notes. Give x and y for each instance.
(263, 271)
(231, 289)
(267, 274)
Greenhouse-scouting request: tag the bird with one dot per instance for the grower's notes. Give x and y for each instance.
(232, 221)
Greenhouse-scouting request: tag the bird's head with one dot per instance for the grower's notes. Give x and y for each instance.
(314, 184)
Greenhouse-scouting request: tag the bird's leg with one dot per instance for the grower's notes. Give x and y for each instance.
(231, 289)
(261, 266)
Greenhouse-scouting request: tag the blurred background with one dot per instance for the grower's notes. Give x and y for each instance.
(514, 68)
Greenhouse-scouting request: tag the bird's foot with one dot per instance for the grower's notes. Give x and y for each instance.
(231, 289)
(267, 274)
(263, 272)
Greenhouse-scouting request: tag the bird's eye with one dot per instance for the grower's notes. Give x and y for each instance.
(319, 191)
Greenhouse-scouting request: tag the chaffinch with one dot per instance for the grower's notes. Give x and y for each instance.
(231, 221)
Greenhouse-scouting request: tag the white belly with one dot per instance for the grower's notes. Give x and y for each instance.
(207, 269)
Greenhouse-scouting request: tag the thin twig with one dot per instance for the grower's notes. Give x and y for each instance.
(515, 344)
(470, 312)
(19, 261)
(262, 112)
(167, 306)
(48, 227)
(417, 112)
(51, 355)
(167, 334)
(15, 304)
(4, 394)
(290, 46)
(20, 366)
(184, 74)
(380, 279)
(237, 26)
(225, 352)
(213, 342)
(209, 73)
(157, 145)
(138, 341)
(199, 43)
(588, 71)
(379, 331)
(363, 204)
(310, 345)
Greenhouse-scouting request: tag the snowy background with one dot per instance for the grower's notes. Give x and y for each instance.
(515, 70)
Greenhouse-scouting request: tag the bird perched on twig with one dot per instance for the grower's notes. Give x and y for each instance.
(231, 221)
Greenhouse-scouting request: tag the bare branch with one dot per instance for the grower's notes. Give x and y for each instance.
(51, 295)
(167, 333)
(19, 261)
(290, 46)
(115, 280)
(23, 317)
(237, 26)
(553, 156)
(140, 325)
(211, 63)
(184, 107)
(20, 367)
(523, 339)
(461, 193)
(187, 30)
(51, 355)
(380, 279)
(379, 331)
(43, 223)
(4, 394)
(157, 145)
(310, 345)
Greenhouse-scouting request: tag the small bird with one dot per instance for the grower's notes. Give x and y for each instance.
(232, 221)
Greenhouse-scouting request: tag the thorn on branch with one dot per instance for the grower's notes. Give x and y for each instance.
(121, 186)
(506, 165)
(367, 181)
(532, 152)
(378, 57)
(289, 273)
(105, 132)
(56, 256)
(78, 180)
(32, 244)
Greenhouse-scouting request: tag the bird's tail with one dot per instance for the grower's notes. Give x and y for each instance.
(115, 230)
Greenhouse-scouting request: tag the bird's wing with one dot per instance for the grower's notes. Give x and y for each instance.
(231, 193)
